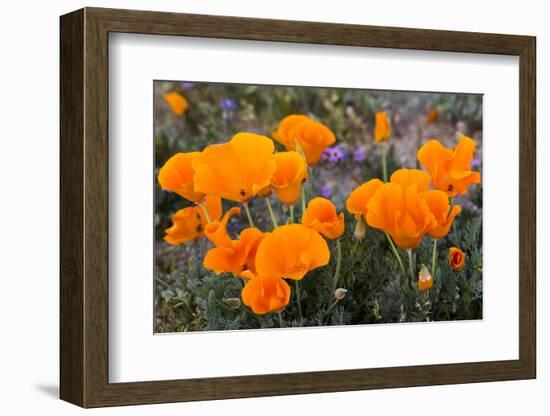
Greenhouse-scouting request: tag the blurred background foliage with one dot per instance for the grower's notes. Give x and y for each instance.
(189, 297)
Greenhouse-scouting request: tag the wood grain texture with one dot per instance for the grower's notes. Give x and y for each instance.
(84, 207)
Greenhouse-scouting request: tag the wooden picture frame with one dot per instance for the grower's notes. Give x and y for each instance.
(84, 207)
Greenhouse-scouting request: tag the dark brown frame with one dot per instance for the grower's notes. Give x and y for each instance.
(84, 209)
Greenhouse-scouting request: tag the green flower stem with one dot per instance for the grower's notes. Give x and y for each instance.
(281, 322)
(291, 210)
(248, 214)
(297, 287)
(355, 244)
(271, 214)
(397, 256)
(338, 263)
(434, 257)
(303, 192)
(384, 163)
(411, 268)
(205, 212)
(455, 235)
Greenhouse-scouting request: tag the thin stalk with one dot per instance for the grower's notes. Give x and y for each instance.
(281, 322)
(291, 210)
(384, 163)
(338, 263)
(297, 287)
(434, 258)
(271, 214)
(303, 200)
(411, 268)
(455, 235)
(248, 214)
(397, 256)
(354, 247)
(204, 211)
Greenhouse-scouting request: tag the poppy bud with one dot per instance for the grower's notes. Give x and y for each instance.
(233, 303)
(340, 293)
(425, 280)
(360, 228)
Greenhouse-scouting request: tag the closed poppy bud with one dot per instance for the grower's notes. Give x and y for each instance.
(456, 258)
(340, 293)
(189, 223)
(425, 280)
(382, 127)
(432, 116)
(289, 174)
(291, 251)
(177, 102)
(320, 215)
(266, 294)
(313, 137)
(233, 303)
(360, 230)
(450, 168)
(237, 170)
(176, 175)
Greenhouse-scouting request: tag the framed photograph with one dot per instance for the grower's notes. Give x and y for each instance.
(263, 207)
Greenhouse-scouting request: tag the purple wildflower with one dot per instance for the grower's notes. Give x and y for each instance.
(476, 163)
(359, 155)
(326, 190)
(187, 85)
(227, 105)
(334, 154)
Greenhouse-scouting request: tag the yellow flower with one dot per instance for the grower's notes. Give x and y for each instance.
(177, 102)
(287, 179)
(312, 136)
(291, 251)
(236, 170)
(450, 168)
(176, 175)
(382, 127)
(189, 223)
(321, 216)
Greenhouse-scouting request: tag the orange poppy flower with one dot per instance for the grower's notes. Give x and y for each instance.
(189, 223)
(425, 280)
(216, 231)
(177, 102)
(407, 177)
(291, 251)
(402, 213)
(313, 137)
(359, 198)
(432, 116)
(382, 127)
(176, 175)
(238, 257)
(321, 216)
(456, 258)
(265, 294)
(439, 205)
(450, 168)
(236, 170)
(287, 179)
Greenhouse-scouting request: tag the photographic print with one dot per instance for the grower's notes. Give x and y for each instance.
(292, 206)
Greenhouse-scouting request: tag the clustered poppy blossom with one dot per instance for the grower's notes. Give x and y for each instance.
(412, 204)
